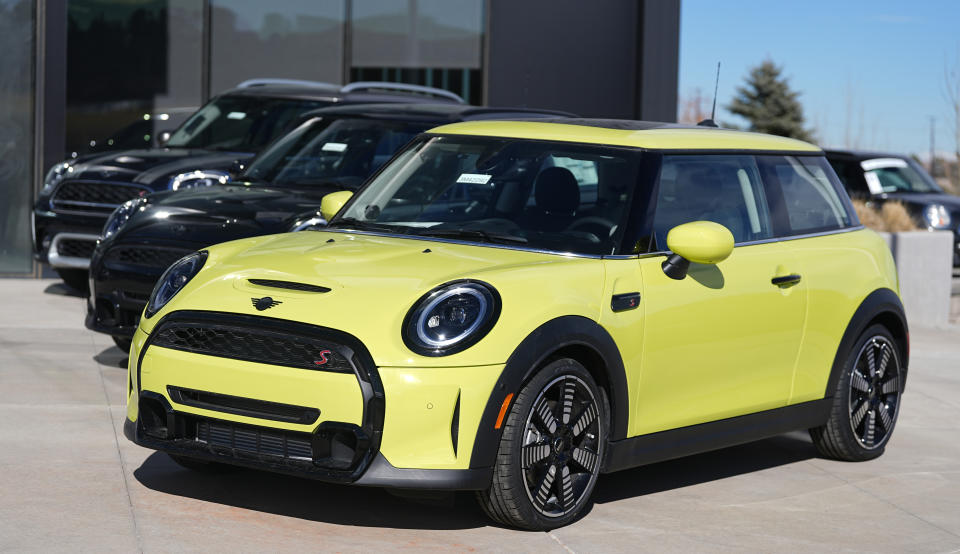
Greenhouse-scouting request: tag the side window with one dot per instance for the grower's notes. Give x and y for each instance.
(719, 188)
(812, 198)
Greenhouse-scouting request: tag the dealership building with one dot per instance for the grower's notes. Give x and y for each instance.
(74, 71)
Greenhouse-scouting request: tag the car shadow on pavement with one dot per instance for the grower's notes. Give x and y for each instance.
(371, 507)
(112, 357)
(61, 289)
(312, 500)
(706, 467)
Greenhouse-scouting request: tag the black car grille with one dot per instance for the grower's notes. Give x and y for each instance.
(254, 342)
(248, 439)
(145, 256)
(93, 197)
(76, 248)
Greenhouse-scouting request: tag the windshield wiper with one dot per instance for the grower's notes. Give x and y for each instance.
(474, 234)
(355, 223)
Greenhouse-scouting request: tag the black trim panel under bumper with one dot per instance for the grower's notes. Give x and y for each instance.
(380, 473)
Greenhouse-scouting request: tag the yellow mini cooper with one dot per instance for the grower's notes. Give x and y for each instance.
(515, 308)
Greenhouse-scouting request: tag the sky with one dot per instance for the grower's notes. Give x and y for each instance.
(870, 73)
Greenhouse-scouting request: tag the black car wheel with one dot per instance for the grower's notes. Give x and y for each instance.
(76, 279)
(866, 402)
(551, 451)
(123, 343)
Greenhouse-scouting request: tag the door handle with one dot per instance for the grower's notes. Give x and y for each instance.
(786, 280)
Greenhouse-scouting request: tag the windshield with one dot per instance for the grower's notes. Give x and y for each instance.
(553, 196)
(895, 175)
(343, 152)
(239, 123)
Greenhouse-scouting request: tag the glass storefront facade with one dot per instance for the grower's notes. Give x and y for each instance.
(17, 132)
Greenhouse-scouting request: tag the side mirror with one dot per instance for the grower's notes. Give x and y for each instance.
(331, 203)
(702, 242)
(237, 167)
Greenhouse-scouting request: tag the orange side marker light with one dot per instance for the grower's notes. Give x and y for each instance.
(503, 410)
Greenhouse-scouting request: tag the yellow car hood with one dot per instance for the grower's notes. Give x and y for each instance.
(375, 280)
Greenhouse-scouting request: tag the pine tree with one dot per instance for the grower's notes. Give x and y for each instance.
(767, 102)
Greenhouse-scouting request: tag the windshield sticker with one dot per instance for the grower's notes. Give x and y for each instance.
(873, 183)
(335, 147)
(474, 178)
(236, 115)
(882, 163)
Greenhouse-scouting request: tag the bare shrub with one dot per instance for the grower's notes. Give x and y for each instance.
(896, 218)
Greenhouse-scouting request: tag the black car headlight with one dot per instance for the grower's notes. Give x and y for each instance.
(451, 318)
(937, 216)
(55, 175)
(121, 215)
(174, 279)
(198, 178)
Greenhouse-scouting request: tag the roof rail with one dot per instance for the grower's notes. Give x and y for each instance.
(401, 87)
(287, 82)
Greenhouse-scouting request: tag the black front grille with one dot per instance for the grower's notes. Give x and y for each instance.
(145, 256)
(248, 439)
(93, 197)
(76, 248)
(254, 342)
(288, 285)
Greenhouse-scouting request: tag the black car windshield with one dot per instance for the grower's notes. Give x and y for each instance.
(553, 196)
(342, 152)
(896, 175)
(240, 123)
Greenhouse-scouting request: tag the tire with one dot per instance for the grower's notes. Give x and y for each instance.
(123, 343)
(866, 402)
(202, 466)
(543, 479)
(76, 279)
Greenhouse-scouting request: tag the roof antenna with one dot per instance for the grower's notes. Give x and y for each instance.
(713, 111)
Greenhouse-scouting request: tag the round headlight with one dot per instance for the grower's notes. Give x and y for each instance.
(198, 178)
(173, 280)
(55, 175)
(937, 216)
(451, 318)
(121, 215)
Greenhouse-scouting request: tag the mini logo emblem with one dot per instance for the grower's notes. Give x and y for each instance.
(264, 303)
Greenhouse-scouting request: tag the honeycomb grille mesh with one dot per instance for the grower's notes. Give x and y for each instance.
(259, 345)
(104, 197)
(145, 256)
(76, 248)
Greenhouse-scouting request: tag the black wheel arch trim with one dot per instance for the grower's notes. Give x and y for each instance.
(882, 304)
(539, 346)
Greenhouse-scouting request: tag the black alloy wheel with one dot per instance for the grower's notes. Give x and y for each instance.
(874, 392)
(551, 451)
(866, 402)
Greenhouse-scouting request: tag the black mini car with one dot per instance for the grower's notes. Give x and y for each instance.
(330, 149)
(79, 194)
(879, 177)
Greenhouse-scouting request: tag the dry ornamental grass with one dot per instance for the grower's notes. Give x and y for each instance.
(892, 217)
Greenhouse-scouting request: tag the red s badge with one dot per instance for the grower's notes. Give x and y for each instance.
(323, 357)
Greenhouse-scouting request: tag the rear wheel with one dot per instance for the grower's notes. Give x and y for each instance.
(866, 402)
(551, 450)
(76, 279)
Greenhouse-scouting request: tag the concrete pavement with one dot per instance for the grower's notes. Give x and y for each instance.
(69, 481)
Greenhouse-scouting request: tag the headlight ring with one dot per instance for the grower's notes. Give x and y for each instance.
(173, 280)
(121, 215)
(198, 178)
(451, 318)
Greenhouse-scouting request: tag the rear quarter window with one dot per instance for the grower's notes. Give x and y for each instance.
(806, 195)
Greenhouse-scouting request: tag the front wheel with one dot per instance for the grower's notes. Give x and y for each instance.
(866, 402)
(551, 450)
